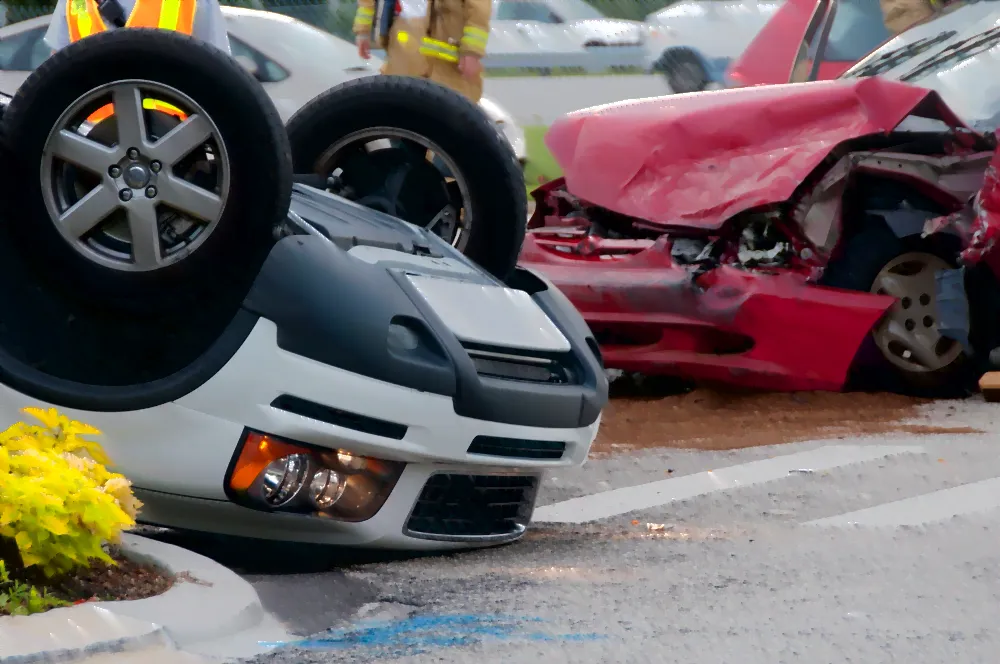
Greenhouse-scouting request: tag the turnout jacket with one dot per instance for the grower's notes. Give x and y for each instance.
(426, 38)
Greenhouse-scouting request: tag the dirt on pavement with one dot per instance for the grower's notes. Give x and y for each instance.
(711, 419)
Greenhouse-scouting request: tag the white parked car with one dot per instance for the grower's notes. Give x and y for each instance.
(293, 60)
(692, 42)
(562, 33)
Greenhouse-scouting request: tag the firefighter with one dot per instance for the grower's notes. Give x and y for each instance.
(443, 40)
(75, 19)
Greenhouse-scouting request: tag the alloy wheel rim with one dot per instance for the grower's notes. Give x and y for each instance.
(134, 201)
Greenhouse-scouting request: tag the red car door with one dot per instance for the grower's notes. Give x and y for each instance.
(783, 49)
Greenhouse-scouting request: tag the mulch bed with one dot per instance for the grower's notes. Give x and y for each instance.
(128, 580)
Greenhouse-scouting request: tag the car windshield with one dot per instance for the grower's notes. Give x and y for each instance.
(954, 54)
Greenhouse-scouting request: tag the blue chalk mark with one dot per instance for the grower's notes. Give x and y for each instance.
(416, 635)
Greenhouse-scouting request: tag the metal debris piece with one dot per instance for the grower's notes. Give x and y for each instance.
(657, 527)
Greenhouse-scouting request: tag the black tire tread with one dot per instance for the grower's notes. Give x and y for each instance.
(668, 62)
(418, 104)
(72, 343)
(126, 54)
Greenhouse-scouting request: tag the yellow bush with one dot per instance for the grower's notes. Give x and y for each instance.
(58, 501)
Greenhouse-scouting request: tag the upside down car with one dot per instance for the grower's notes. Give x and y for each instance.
(264, 357)
(811, 236)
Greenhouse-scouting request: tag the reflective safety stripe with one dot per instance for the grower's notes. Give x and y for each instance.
(363, 19)
(403, 37)
(435, 48)
(164, 107)
(106, 111)
(83, 19)
(474, 39)
(175, 15)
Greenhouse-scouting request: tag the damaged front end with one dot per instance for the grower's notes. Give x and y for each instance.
(749, 300)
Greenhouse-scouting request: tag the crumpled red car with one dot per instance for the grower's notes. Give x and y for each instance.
(794, 237)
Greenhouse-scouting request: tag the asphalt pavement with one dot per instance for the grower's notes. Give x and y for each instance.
(864, 550)
(539, 100)
(847, 550)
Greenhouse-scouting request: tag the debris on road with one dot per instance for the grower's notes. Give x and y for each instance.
(989, 385)
(710, 419)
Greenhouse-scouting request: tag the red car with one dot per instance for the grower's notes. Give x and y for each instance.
(795, 34)
(791, 237)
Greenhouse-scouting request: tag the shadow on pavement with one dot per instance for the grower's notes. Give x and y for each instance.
(246, 555)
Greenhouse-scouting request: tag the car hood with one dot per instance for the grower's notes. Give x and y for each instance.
(698, 159)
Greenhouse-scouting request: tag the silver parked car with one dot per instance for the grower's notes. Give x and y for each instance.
(692, 42)
(294, 61)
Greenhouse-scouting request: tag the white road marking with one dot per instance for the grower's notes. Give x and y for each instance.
(644, 496)
(927, 508)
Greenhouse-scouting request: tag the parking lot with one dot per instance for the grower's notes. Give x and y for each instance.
(539, 100)
(707, 525)
(872, 543)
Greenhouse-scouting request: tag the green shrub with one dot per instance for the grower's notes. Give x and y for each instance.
(59, 504)
(20, 599)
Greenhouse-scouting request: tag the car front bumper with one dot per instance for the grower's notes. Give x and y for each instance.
(317, 366)
(177, 455)
(179, 459)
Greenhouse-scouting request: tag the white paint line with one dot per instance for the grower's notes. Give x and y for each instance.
(927, 508)
(629, 499)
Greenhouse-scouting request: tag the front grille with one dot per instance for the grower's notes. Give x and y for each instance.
(461, 508)
(522, 367)
(517, 448)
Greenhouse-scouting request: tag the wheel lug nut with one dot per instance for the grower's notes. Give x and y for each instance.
(154, 166)
(150, 192)
(115, 171)
(125, 195)
(133, 153)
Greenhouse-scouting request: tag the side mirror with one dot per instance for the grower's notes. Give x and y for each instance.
(248, 63)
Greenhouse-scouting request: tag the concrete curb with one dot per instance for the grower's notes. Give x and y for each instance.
(209, 610)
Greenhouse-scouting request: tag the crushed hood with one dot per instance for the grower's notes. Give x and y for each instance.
(698, 159)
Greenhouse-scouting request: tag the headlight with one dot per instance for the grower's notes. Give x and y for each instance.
(272, 474)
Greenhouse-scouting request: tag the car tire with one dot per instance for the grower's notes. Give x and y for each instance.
(480, 153)
(219, 271)
(683, 70)
(865, 256)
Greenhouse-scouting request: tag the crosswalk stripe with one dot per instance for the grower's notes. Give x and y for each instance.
(923, 509)
(644, 496)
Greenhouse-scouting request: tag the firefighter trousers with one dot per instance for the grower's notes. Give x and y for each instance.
(403, 58)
